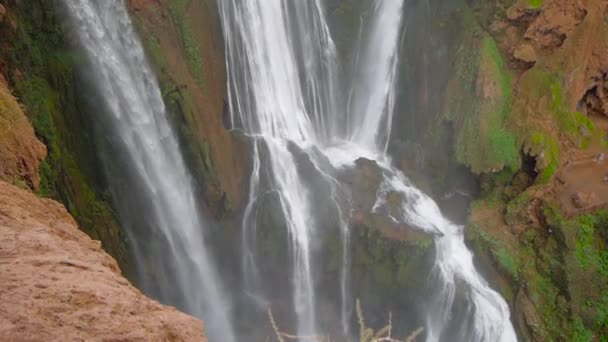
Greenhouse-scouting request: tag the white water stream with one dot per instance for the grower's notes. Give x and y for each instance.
(282, 69)
(136, 116)
(280, 57)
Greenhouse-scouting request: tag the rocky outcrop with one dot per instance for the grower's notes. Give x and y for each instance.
(184, 43)
(546, 237)
(364, 181)
(57, 284)
(40, 65)
(20, 150)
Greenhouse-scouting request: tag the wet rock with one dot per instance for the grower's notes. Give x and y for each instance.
(525, 53)
(390, 228)
(364, 181)
(58, 284)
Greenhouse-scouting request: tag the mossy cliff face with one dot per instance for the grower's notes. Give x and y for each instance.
(39, 64)
(525, 111)
(184, 43)
(183, 40)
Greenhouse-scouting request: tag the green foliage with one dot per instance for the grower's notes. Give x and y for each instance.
(584, 242)
(601, 312)
(535, 3)
(580, 332)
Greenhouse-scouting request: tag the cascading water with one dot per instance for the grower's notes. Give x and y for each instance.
(279, 73)
(272, 100)
(137, 124)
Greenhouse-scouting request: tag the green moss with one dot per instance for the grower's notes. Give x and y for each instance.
(484, 141)
(388, 263)
(179, 11)
(42, 65)
(584, 242)
(535, 3)
(580, 332)
(546, 151)
(507, 261)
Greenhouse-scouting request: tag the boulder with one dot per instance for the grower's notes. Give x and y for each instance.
(525, 53)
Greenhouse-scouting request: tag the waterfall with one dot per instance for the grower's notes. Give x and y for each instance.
(159, 190)
(282, 69)
(271, 99)
(372, 97)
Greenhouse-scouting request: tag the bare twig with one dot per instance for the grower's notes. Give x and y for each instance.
(414, 335)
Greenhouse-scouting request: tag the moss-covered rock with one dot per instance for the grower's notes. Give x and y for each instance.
(184, 44)
(40, 63)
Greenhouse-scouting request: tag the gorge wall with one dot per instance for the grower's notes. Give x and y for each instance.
(57, 283)
(502, 104)
(519, 101)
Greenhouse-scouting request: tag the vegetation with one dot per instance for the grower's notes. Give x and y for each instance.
(535, 3)
(41, 71)
(484, 141)
(366, 334)
(546, 151)
(179, 11)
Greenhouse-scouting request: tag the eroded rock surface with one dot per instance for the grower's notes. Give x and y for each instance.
(20, 150)
(57, 284)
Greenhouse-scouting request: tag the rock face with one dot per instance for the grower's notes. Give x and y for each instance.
(20, 150)
(57, 284)
(185, 45)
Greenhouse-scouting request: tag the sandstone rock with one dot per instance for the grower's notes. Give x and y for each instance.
(521, 11)
(20, 150)
(555, 22)
(525, 53)
(583, 199)
(57, 284)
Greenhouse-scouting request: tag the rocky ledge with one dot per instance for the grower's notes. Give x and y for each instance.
(57, 284)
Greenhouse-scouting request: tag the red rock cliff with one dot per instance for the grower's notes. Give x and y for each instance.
(57, 284)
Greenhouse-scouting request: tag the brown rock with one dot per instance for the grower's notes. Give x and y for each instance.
(57, 284)
(525, 53)
(583, 199)
(556, 20)
(20, 150)
(2, 13)
(521, 11)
